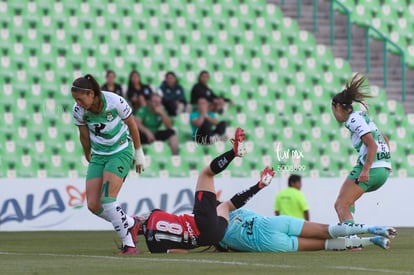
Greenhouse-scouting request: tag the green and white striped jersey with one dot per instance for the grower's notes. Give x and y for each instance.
(107, 130)
(359, 124)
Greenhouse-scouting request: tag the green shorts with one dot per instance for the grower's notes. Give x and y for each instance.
(119, 164)
(377, 177)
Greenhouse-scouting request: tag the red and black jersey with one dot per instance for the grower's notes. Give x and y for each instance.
(164, 231)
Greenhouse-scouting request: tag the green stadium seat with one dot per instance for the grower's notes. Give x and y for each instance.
(281, 82)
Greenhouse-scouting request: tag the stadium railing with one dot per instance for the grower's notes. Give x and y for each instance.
(368, 29)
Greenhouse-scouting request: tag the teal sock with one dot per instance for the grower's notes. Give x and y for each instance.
(352, 209)
(349, 221)
(346, 229)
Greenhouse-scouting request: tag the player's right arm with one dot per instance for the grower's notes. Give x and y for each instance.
(85, 141)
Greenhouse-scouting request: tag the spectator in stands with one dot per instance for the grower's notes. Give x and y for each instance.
(173, 97)
(111, 85)
(206, 128)
(291, 201)
(150, 118)
(138, 93)
(202, 90)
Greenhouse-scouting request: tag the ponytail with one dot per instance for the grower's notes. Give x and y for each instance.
(355, 90)
(85, 84)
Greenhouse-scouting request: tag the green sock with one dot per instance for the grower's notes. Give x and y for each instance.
(352, 209)
(349, 221)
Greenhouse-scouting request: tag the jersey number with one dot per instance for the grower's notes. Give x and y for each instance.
(173, 228)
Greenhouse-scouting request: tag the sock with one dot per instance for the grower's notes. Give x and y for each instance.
(347, 243)
(221, 162)
(100, 213)
(352, 209)
(243, 197)
(119, 221)
(344, 229)
(350, 221)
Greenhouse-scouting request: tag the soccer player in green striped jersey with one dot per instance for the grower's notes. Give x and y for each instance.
(374, 160)
(106, 127)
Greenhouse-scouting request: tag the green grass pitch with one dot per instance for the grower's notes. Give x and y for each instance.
(95, 253)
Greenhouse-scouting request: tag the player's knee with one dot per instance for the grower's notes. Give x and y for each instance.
(341, 204)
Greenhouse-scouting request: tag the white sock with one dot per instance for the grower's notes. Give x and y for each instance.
(347, 243)
(131, 221)
(102, 214)
(346, 229)
(120, 221)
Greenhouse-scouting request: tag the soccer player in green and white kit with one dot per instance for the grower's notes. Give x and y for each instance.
(374, 159)
(103, 119)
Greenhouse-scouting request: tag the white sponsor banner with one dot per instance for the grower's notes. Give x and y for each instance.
(60, 204)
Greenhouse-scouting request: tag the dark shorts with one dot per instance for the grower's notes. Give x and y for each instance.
(161, 135)
(212, 227)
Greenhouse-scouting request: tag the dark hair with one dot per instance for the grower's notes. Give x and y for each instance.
(86, 83)
(108, 72)
(170, 73)
(130, 86)
(353, 92)
(293, 179)
(201, 73)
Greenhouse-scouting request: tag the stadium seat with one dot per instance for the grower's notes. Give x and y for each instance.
(280, 81)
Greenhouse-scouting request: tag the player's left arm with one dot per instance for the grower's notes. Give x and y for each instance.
(139, 153)
(372, 146)
(125, 113)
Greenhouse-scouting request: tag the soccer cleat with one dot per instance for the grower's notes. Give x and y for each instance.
(385, 231)
(266, 177)
(381, 242)
(239, 147)
(128, 250)
(135, 229)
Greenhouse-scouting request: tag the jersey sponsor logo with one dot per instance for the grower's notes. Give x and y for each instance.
(109, 116)
(121, 101)
(98, 128)
(76, 109)
(249, 226)
(126, 110)
(383, 155)
(352, 120)
(191, 232)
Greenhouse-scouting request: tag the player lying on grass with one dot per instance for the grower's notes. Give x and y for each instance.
(165, 232)
(251, 232)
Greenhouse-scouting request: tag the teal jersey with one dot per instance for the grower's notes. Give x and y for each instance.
(251, 232)
(360, 124)
(107, 131)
